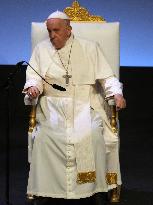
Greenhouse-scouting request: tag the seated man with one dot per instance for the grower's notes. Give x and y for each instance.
(69, 156)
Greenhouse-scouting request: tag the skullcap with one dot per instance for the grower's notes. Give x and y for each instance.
(58, 14)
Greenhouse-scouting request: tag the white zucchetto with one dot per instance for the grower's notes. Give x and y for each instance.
(58, 14)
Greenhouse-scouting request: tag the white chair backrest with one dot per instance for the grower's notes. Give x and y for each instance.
(106, 34)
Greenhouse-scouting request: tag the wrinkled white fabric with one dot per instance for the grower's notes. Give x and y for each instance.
(112, 87)
(66, 118)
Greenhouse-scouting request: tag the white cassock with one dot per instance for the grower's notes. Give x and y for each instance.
(69, 142)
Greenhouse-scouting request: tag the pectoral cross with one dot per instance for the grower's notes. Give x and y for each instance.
(67, 76)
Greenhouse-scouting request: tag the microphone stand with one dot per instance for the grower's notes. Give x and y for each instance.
(8, 87)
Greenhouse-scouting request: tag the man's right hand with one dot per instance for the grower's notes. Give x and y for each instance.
(33, 92)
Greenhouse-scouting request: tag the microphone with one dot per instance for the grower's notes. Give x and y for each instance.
(55, 86)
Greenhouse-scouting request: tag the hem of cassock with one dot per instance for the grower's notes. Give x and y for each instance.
(69, 195)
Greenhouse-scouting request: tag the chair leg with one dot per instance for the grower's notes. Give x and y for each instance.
(115, 195)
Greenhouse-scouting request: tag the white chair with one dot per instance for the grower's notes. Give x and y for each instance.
(107, 35)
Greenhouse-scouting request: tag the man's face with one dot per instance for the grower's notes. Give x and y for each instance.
(59, 31)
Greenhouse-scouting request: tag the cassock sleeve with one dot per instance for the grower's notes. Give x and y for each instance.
(112, 86)
(104, 74)
(32, 78)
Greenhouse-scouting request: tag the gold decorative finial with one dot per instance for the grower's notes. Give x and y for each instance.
(78, 13)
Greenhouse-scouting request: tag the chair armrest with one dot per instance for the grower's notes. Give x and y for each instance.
(32, 121)
(114, 114)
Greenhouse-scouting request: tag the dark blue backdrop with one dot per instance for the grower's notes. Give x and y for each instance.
(135, 17)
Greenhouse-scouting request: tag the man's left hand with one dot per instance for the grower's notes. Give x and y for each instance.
(119, 101)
